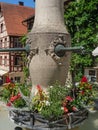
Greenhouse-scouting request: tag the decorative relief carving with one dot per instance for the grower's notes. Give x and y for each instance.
(33, 51)
(61, 39)
(50, 50)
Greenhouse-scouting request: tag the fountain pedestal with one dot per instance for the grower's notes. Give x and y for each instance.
(48, 31)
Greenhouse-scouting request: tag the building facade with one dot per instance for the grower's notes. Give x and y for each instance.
(11, 30)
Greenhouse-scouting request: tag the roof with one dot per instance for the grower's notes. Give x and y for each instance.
(13, 16)
(29, 18)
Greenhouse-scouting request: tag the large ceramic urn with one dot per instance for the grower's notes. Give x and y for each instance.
(48, 31)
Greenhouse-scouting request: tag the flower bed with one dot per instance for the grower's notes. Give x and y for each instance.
(59, 107)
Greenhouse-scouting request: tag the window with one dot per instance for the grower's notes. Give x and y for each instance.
(0, 43)
(17, 79)
(30, 25)
(0, 60)
(92, 72)
(5, 60)
(2, 28)
(11, 39)
(5, 43)
(0, 12)
(17, 60)
(17, 43)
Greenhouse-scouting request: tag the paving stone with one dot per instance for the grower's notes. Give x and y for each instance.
(6, 124)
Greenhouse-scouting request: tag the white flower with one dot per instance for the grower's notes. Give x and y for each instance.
(47, 103)
(68, 86)
(51, 86)
(62, 108)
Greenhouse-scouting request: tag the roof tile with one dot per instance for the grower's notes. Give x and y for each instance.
(14, 15)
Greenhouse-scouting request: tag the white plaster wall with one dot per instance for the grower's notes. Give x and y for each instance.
(4, 36)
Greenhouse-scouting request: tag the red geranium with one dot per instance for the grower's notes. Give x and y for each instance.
(69, 98)
(84, 79)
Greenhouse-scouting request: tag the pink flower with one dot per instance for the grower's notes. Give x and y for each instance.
(13, 98)
(65, 109)
(8, 104)
(69, 98)
(84, 79)
(18, 95)
(74, 108)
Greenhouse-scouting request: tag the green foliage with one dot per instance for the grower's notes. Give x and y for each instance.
(81, 18)
(14, 94)
(26, 72)
(6, 94)
(53, 111)
(7, 91)
(59, 100)
(23, 39)
(25, 89)
(57, 93)
(24, 57)
(19, 103)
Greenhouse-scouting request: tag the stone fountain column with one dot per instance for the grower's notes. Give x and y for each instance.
(48, 31)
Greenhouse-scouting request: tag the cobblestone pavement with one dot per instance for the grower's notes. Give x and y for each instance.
(6, 124)
(91, 123)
